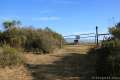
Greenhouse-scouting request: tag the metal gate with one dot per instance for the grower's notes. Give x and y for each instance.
(86, 39)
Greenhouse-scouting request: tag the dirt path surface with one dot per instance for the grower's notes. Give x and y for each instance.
(70, 63)
(15, 73)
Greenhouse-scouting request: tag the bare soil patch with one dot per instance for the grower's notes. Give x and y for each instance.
(15, 73)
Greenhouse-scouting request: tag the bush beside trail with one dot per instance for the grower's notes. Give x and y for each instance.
(30, 39)
(108, 55)
(10, 57)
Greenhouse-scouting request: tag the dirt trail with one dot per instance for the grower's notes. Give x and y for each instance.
(70, 63)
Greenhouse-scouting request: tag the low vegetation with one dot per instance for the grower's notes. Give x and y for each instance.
(10, 57)
(29, 39)
(15, 40)
(108, 55)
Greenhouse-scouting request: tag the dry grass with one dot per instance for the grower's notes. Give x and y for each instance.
(44, 58)
(82, 49)
(14, 73)
(71, 63)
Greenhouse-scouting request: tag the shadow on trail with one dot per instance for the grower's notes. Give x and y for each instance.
(73, 66)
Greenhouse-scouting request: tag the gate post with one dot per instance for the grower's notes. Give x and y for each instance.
(97, 43)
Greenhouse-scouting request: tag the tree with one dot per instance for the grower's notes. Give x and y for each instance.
(7, 24)
(115, 31)
(11, 24)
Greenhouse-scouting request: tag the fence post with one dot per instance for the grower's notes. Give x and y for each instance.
(97, 43)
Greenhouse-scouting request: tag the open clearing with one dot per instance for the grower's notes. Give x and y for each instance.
(70, 63)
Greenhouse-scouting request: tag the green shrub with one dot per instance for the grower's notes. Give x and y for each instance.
(30, 39)
(42, 41)
(115, 31)
(108, 55)
(108, 58)
(10, 56)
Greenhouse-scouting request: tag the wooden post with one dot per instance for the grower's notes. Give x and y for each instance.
(97, 42)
